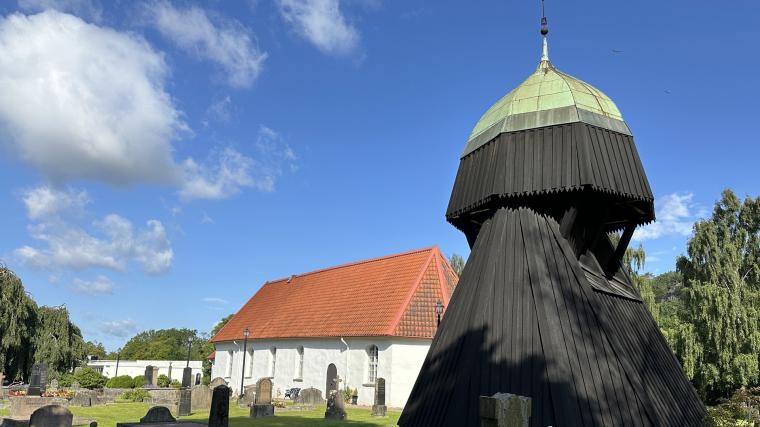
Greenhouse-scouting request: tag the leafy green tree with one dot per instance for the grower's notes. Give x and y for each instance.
(94, 348)
(164, 344)
(18, 316)
(719, 341)
(457, 263)
(57, 341)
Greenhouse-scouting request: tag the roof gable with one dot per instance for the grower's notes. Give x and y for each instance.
(366, 298)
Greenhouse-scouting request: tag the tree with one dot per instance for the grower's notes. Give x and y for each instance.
(94, 348)
(18, 315)
(457, 263)
(719, 341)
(164, 344)
(57, 341)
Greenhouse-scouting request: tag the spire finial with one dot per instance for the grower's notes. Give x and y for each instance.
(544, 32)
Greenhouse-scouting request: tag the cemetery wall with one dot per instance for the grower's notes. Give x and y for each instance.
(134, 368)
(401, 355)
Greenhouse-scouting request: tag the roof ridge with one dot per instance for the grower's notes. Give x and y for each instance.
(353, 263)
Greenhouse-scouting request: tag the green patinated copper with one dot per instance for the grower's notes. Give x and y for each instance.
(532, 101)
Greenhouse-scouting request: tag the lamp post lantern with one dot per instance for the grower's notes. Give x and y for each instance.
(245, 350)
(439, 311)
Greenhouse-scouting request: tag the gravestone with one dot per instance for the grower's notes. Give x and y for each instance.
(200, 398)
(75, 385)
(505, 409)
(158, 414)
(331, 380)
(216, 382)
(53, 385)
(219, 415)
(38, 380)
(151, 376)
(378, 408)
(184, 405)
(51, 416)
(310, 396)
(2, 390)
(335, 407)
(187, 377)
(263, 406)
(197, 379)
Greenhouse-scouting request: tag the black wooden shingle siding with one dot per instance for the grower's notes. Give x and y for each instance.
(550, 159)
(524, 320)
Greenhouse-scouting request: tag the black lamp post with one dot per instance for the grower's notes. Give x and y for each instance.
(118, 356)
(439, 311)
(189, 346)
(245, 350)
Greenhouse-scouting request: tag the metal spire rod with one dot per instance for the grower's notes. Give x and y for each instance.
(544, 32)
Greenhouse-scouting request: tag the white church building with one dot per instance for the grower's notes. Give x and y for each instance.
(364, 320)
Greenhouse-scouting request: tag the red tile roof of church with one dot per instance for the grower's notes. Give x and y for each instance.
(393, 295)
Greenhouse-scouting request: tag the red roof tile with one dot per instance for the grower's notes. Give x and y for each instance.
(388, 296)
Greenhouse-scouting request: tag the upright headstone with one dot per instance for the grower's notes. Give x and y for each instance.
(310, 396)
(37, 380)
(505, 409)
(184, 406)
(75, 385)
(331, 380)
(51, 416)
(335, 407)
(2, 390)
(263, 405)
(158, 414)
(148, 376)
(219, 415)
(154, 376)
(216, 382)
(187, 377)
(53, 385)
(378, 408)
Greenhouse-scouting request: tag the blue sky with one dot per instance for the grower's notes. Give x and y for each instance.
(159, 161)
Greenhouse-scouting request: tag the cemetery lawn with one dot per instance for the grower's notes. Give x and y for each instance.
(109, 415)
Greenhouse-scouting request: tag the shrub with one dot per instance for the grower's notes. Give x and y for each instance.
(136, 395)
(89, 378)
(162, 381)
(139, 381)
(206, 380)
(122, 381)
(175, 384)
(66, 380)
(347, 392)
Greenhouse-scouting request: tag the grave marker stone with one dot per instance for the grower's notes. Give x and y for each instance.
(53, 385)
(75, 385)
(378, 408)
(51, 416)
(335, 407)
(185, 402)
(187, 377)
(220, 407)
(310, 396)
(331, 380)
(158, 414)
(216, 382)
(37, 380)
(2, 390)
(505, 409)
(263, 407)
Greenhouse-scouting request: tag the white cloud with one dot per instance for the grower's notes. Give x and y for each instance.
(221, 109)
(85, 101)
(675, 214)
(214, 300)
(42, 202)
(101, 285)
(228, 171)
(120, 328)
(111, 243)
(89, 8)
(322, 23)
(228, 44)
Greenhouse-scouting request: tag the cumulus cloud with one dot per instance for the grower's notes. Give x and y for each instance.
(228, 171)
(322, 23)
(101, 285)
(675, 214)
(43, 202)
(226, 43)
(88, 8)
(111, 242)
(85, 101)
(119, 328)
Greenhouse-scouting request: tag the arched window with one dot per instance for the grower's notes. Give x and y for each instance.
(273, 357)
(372, 364)
(299, 363)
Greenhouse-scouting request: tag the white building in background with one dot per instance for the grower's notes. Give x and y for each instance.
(366, 320)
(170, 368)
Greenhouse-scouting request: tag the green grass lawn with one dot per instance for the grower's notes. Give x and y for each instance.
(109, 415)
